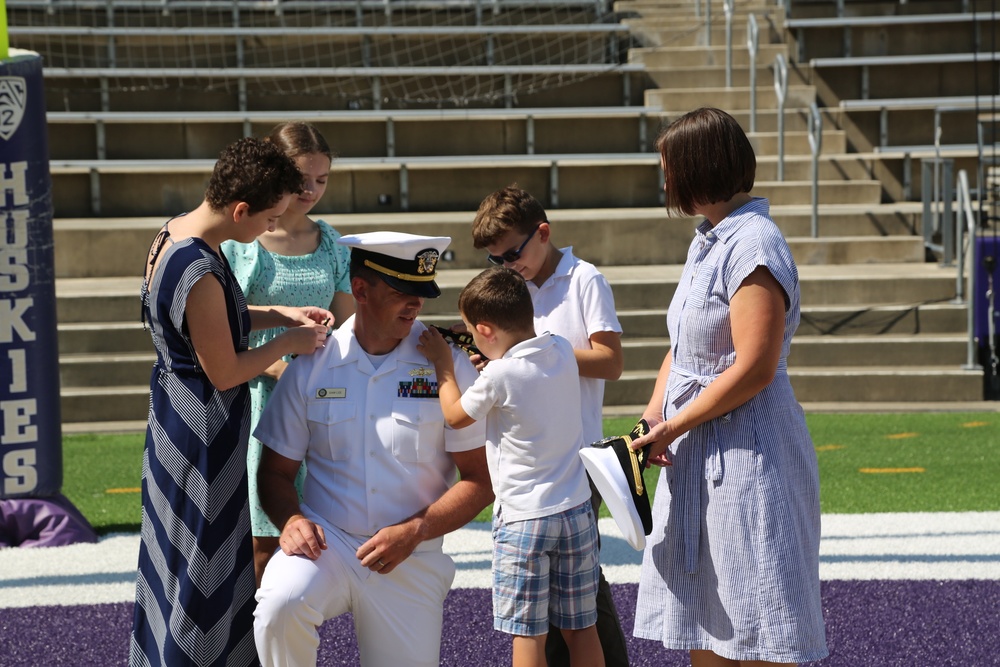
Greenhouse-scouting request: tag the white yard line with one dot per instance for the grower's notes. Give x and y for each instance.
(939, 545)
(918, 545)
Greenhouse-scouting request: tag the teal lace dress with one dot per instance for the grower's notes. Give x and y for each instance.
(286, 280)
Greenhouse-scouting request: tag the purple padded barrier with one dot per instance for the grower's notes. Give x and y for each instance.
(42, 522)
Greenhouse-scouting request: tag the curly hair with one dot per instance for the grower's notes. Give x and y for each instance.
(503, 211)
(253, 171)
(499, 296)
(707, 158)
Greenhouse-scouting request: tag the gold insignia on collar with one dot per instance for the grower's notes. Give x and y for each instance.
(427, 261)
(421, 372)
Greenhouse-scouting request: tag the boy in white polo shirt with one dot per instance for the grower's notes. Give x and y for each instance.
(545, 555)
(572, 299)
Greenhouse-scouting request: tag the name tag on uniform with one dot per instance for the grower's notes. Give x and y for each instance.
(331, 392)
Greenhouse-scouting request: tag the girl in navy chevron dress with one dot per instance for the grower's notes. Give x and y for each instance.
(195, 585)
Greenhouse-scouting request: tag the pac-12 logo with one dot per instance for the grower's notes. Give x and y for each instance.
(13, 96)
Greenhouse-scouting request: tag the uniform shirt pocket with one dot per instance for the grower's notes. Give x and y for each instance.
(330, 427)
(417, 430)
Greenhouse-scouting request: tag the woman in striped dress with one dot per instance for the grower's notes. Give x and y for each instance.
(731, 570)
(195, 585)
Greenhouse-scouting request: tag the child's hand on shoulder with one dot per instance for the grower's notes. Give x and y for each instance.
(433, 346)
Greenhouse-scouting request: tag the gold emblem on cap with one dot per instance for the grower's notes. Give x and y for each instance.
(427, 261)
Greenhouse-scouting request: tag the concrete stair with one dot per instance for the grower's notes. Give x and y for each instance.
(684, 99)
(704, 56)
(670, 33)
(605, 236)
(444, 184)
(863, 323)
(907, 322)
(812, 352)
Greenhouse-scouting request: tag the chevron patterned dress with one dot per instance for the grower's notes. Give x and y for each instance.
(194, 592)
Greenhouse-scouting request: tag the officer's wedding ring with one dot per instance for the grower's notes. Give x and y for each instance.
(381, 563)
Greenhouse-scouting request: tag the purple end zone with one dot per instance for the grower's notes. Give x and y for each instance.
(884, 623)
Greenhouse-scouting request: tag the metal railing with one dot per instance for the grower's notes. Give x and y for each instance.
(708, 22)
(815, 147)
(728, 8)
(753, 44)
(965, 232)
(781, 90)
(937, 193)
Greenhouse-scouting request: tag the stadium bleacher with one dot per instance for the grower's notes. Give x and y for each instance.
(891, 34)
(570, 120)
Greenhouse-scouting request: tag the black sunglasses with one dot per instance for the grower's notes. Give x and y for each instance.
(511, 255)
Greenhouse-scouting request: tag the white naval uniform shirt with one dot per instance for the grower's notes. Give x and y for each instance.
(375, 443)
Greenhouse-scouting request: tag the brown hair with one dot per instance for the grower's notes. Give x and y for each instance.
(509, 209)
(707, 158)
(499, 296)
(358, 269)
(297, 138)
(253, 171)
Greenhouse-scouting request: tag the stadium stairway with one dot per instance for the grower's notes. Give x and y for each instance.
(879, 325)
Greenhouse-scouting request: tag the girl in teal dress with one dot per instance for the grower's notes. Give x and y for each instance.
(298, 264)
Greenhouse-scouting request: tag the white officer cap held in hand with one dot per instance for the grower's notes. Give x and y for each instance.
(617, 472)
(405, 262)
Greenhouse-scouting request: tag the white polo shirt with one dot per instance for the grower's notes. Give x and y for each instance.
(374, 440)
(575, 302)
(530, 401)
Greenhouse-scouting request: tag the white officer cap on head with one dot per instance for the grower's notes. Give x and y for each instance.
(405, 262)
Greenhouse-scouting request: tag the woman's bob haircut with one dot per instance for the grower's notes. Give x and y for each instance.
(707, 159)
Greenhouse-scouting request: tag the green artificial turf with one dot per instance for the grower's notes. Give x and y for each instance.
(101, 475)
(920, 462)
(900, 462)
(906, 462)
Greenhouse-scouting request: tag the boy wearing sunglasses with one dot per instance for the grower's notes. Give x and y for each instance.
(572, 299)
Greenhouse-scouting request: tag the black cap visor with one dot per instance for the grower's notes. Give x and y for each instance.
(427, 290)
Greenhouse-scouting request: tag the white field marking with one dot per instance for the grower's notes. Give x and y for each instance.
(76, 574)
(912, 545)
(938, 545)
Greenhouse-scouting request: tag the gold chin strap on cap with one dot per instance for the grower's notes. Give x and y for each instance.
(396, 274)
(636, 471)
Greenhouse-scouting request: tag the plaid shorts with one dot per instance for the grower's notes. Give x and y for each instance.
(544, 570)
